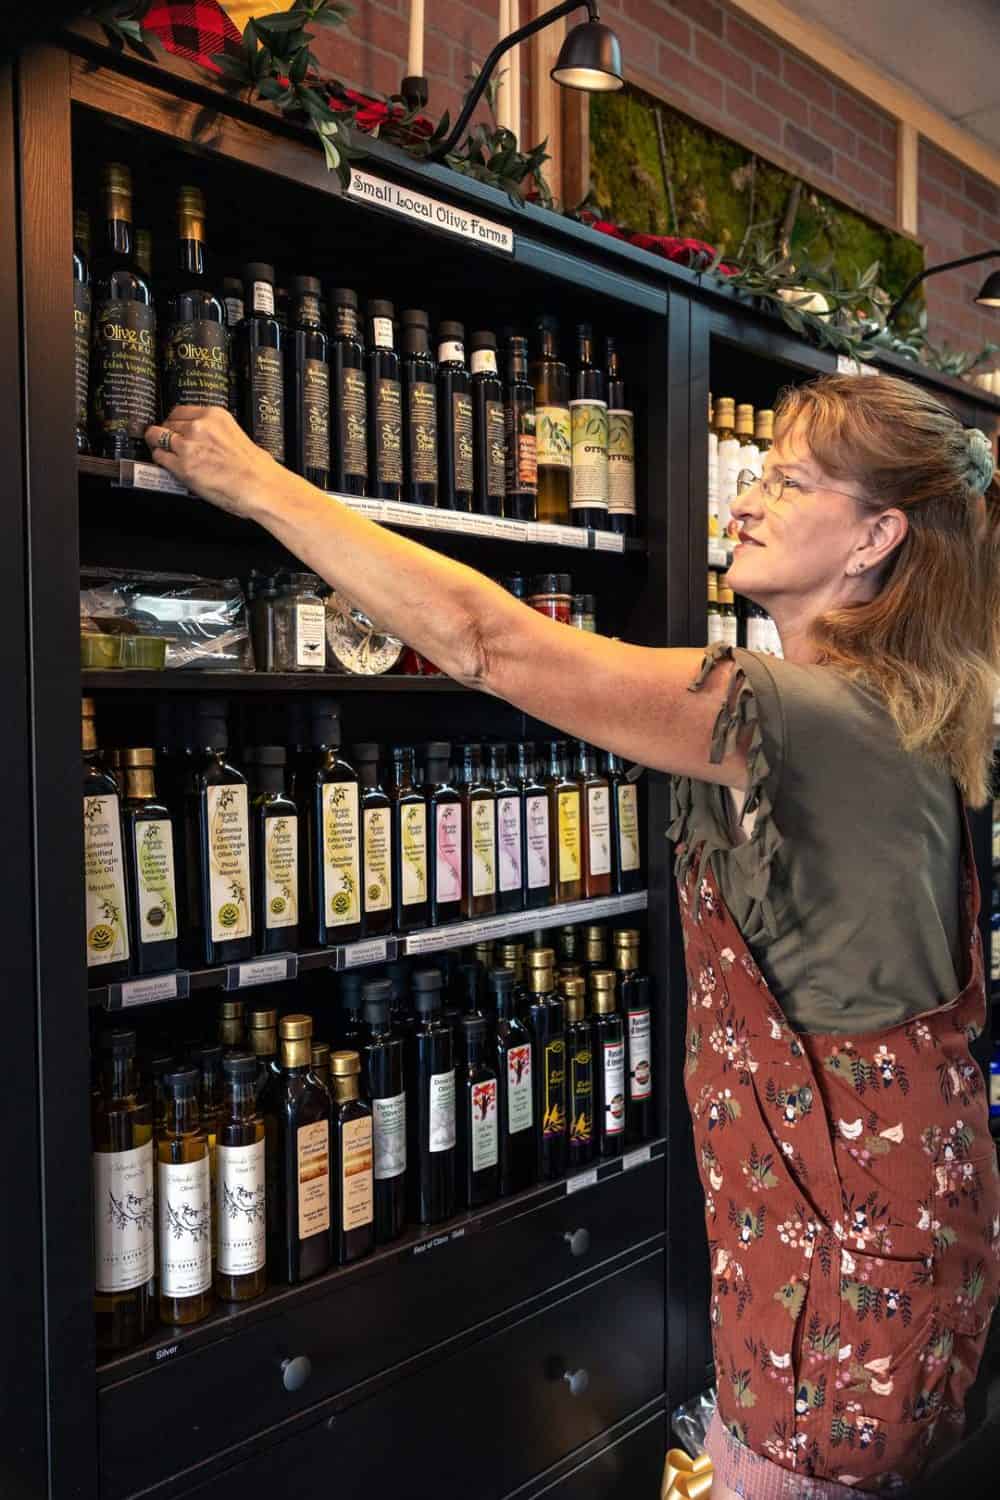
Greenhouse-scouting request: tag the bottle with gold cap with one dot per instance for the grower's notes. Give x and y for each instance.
(635, 1006)
(184, 1204)
(81, 324)
(714, 612)
(728, 623)
(515, 1088)
(351, 1133)
(241, 1184)
(595, 947)
(484, 952)
(579, 1073)
(262, 1035)
(107, 940)
(608, 1042)
(320, 1058)
(231, 1026)
(297, 1115)
(124, 1213)
(547, 1025)
(728, 449)
(149, 866)
(763, 431)
(123, 375)
(195, 348)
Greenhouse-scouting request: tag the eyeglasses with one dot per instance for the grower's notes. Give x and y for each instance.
(775, 484)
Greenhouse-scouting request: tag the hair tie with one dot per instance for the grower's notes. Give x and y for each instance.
(979, 469)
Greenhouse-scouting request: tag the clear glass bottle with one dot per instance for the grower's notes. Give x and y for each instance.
(184, 1205)
(241, 1185)
(588, 411)
(124, 1200)
(208, 1060)
(621, 449)
(299, 624)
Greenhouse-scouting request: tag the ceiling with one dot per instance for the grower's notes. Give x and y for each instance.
(948, 51)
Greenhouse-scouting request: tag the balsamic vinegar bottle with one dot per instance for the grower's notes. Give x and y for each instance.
(298, 1110)
(400, 999)
(521, 486)
(382, 1075)
(218, 826)
(444, 820)
(608, 1041)
(314, 740)
(232, 301)
(621, 450)
(552, 424)
(259, 347)
(467, 988)
(307, 384)
(509, 832)
(351, 1134)
(547, 1025)
(410, 875)
(351, 1029)
(479, 859)
(515, 1101)
(626, 859)
(123, 378)
(124, 1212)
(337, 847)
(184, 1205)
(454, 420)
(348, 396)
(376, 844)
(195, 350)
(595, 806)
(275, 851)
(478, 1159)
(564, 827)
(580, 1074)
(489, 444)
(385, 417)
(589, 433)
(430, 1105)
(81, 324)
(241, 1185)
(107, 939)
(539, 871)
(595, 948)
(635, 1006)
(148, 832)
(420, 442)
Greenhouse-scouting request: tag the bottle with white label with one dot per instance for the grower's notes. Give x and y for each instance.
(548, 1034)
(588, 437)
(148, 837)
(385, 404)
(297, 1118)
(621, 449)
(124, 1203)
(352, 1162)
(184, 1205)
(258, 355)
(626, 837)
(444, 835)
(536, 860)
(382, 1084)
(565, 826)
(207, 1058)
(636, 1010)
(478, 1166)
(430, 1113)
(488, 438)
(714, 525)
(608, 1045)
(515, 1088)
(275, 822)
(298, 617)
(218, 821)
(553, 440)
(410, 858)
(240, 1185)
(728, 450)
(376, 843)
(479, 843)
(713, 612)
(336, 823)
(729, 623)
(107, 937)
(509, 830)
(454, 420)
(595, 806)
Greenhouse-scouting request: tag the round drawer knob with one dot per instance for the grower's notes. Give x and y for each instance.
(578, 1241)
(577, 1380)
(295, 1372)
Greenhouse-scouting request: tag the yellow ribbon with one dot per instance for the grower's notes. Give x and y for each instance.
(686, 1478)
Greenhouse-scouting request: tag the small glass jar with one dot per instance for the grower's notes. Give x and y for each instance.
(261, 594)
(516, 584)
(299, 624)
(584, 612)
(552, 595)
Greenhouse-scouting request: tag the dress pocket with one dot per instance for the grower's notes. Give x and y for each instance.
(888, 1322)
(966, 1229)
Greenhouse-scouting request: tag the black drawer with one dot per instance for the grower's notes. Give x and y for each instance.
(210, 1396)
(629, 1468)
(486, 1420)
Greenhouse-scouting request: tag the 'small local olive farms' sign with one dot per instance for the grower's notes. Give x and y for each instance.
(380, 193)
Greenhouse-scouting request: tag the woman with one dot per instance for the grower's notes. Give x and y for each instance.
(827, 893)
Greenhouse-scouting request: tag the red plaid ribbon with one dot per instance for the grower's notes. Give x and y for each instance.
(196, 32)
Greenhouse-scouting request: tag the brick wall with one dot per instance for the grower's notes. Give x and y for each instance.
(959, 215)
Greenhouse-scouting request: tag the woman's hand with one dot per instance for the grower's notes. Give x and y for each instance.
(212, 455)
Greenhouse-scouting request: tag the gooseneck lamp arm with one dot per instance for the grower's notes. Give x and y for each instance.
(474, 95)
(946, 265)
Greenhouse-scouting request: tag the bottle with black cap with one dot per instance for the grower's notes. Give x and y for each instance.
(515, 1084)
(521, 487)
(489, 444)
(184, 1205)
(420, 444)
(595, 808)
(307, 384)
(467, 988)
(376, 843)
(588, 410)
(444, 827)
(635, 1007)
(608, 1037)
(430, 1109)
(297, 1116)
(621, 449)
(537, 857)
(218, 818)
(350, 1027)
(335, 837)
(385, 404)
(148, 835)
(510, 830)
(479, 862)
(546, 1022)
(400, 998)
(382, 1084)
(258, 357)
(626, 845)
(351, 1133)
(124, 1212)
(195, 349)
(564, 826)
(478, 1145)
(275, 851)
(410, 874)
(348, 396)
(580, 1073)
(454, 419)
(241, 1185)
(314, 728)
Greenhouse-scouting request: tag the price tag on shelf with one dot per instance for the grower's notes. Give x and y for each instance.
(581, 1180)
(176, 986)
(371, 951)
(511, 531)
(608, 541)
(401, 513)
(429, 941)
(142, 476)
(374, 510)
(261, 971)
(636, 1158)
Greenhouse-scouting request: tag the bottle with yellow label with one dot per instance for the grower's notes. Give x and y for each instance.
(565, 826)
(595, 807)
(336, 844)
(410, 874)
(479, 841)
(275, 852)
(297, 1111)
(353, 1157)
(376, 843)
(218, 832)
(107, 936)
(626, 840)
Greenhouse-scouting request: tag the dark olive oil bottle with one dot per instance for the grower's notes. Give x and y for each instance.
(275, 851)
(547, 1025)
(478, 1145)
(385, 405)
(107, 937)
(454, 419)
(489, 443)
(595, 807)
(307, 384)
(336, 846)
(608, 1039)
(218, 845)
(565, 833)
(297, 1116)
(352, 1032)
(444, 828)
(148, 831)
(123, 376)
(579, 1074)
(382, 1084)
(420, 438)
(636, 1010)
(376, 843)
(430, 1105)
(241, 1185)
(258, 354)
(510, 830)
(539, 878)
(184, 1205)
(410, 872)
(124, 1199)
(348, 396)
(195, 350)
(521, 488)
(626, 840)
(515, 1088)
(352, 1156)
(81, 325)
(479, 845)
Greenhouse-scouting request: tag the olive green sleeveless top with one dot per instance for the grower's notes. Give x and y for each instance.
(847, 890)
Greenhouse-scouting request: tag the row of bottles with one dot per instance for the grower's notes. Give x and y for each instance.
(264, 1156)
(362, 406)
(738, 438)
(752, 627)
(304, 846)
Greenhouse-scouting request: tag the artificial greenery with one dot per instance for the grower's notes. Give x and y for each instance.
(855, 305)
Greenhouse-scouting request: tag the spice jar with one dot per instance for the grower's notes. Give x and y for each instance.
(261, 594)
(299, 624)
(584, 612)
(552, 595)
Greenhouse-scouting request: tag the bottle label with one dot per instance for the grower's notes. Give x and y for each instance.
(184, 1195)
(448, 852)
(382, 333)
(354, 423)
(554, 440)
(589, 482)
(234, 310)
(281, 872)
(268, 414)
(357, 1188)
(521, 453)
(262, 298)
(451, 351)
(640, 1063)
(389, 1117)
(124, 1213)
(388, 431)
(341, 854)
(509, 836)
(313, 1144)
(730, 630)
(569, 836)
(316, 413)
(413, 853)
(442, 1111)
(539, 850)
(422, 413)
(346, 322)
(461, 406)
(310, 636)
(123, 367)
(599, 829)
(81, 350)
(107, 922)
(714, 626)
(483, 360)
(156, 897)
(621, 463)
(378, 866)
(614, 1088)
(628, 826)
(228, 862)
(520, 1113)
(484, 854)
(581, 1125)
(240, 1209)
(483, 1133)
(496, 450)
(554, 1118)
(196, 364)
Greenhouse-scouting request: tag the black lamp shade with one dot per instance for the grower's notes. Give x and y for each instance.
(989, 292)
(590, 58)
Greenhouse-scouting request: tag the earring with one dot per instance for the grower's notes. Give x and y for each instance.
(859, 569)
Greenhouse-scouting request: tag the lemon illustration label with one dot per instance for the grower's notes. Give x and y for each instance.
(413, 863)
(621, 465)
(281, 872)
(341, 854)
(484, 853)
(589, 432)
(599, 829)
(628, 827)
(107, 924)
(569, 836)
(378, 868)
(228, 862)
(155, 890)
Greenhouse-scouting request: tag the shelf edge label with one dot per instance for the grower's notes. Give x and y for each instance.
(581, 1180)
(145, 991)
(636, 1158)
(378, 192)
(261, 971)
(370, 951)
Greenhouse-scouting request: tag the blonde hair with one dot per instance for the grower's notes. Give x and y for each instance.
(929, 642)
